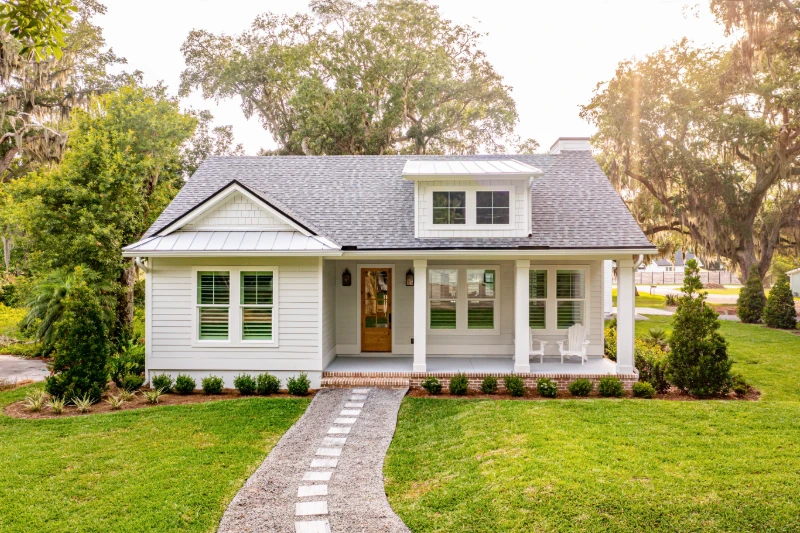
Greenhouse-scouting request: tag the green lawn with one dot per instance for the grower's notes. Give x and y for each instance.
(170, 468)
(645, 299)
(609, 465)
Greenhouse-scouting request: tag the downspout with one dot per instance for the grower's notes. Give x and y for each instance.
(138, 262)
(636, 265)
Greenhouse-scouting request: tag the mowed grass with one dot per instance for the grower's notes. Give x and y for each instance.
(645, 299)
(609, 465)
(170, 468)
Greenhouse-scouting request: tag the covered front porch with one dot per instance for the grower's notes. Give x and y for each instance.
(468, 365)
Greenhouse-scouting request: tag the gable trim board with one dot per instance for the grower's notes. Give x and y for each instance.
(223, 194)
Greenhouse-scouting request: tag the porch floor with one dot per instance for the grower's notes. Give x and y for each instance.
(504, 365)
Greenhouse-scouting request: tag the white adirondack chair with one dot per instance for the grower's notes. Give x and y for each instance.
(576, 343)
(540, 351)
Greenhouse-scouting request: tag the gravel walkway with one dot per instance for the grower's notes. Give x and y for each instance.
(326, 472)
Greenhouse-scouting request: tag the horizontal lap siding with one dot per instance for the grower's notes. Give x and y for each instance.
(173, 302)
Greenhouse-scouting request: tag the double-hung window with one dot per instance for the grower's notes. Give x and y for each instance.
(570, 297)
(236, 306)
(556, 297)
(449, 207)
(256, 303)
(462, 300)
(537, 304)
(213, 305)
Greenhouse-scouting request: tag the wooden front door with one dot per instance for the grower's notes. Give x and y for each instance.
(376, 309)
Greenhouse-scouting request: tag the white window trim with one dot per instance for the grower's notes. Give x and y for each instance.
(462, 301)
(551, 307)
(471, 207)
(235, 308)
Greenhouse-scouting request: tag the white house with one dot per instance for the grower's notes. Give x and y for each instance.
(385, 269)
(794, 281)
(676, 264)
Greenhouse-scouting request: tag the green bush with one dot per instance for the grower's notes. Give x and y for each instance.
(212, 385)
(580, 387)
(432, 385)
(514, 385)
(267, 384)
(547, 387)
(489, 385)
(739, 385)
(163, 382)
(245, 384)
(643, 389)
(656, 337)
(131, 382)
(698, 359)
(651, 361)
(610, 343)
(184, 384)
(81, 346)
(22, 349)
(298, 386)
(130, 361)
(610, 387)
(459, 384)
(671, 300)
(779, 311)
(752, 300)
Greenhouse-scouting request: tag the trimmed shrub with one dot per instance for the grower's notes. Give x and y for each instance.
(643, 389)
(432, 385)
(184, 384)
(459, 384)
(130, 361)
(779, 311)
(212, 385)
(610, 387)
(489, 385)
(245, 384)
(514, 385)
(163, 382)
(698, 360)
(610, 342)
(651, 362)
(752, 300)
(298, 386)
(267, 384)
(581, 387)
(132, 382)
(739, 385)
(81, 347)
(547, 387)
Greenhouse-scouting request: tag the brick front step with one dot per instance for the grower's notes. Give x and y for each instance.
(356, 381)
(413, 379)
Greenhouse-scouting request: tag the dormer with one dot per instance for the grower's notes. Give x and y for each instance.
(471, 198)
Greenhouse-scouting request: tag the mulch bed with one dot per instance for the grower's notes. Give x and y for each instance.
(673, 394)
(18, 410)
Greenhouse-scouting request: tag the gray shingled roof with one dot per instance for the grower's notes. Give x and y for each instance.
(363, 201)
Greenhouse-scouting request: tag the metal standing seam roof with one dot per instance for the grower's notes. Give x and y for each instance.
(466, 167)
(363, 202)
(232, 241)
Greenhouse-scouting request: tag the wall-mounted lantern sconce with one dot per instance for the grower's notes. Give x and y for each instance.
(347, 279)
(409, 278)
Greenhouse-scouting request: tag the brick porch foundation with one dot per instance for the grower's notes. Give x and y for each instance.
(413, 379)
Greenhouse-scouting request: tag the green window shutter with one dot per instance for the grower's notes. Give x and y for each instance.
(257, 323)
(213, 323)
(257, 288)
(480, 314)
(443, 314)
(570, 284)
(213, 288)
(537, 314)
(569, 312)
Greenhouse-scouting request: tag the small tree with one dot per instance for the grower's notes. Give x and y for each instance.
(751, 298)
(780, 312)
(81, 345)
(698, 361)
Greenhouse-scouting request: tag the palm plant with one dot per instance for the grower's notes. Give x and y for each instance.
(657, 337)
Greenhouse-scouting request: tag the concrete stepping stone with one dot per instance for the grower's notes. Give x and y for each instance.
(334, 441)
(316, 526)
(354, 404)
(360, 391)
(350, 412)
(330, 452)
(317, 476)
(345, 421)
(335, 431)
(304, 491)
(358, 397)
(324, 463)
(310, 508)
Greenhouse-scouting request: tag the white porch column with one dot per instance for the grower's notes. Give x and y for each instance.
(521, 323)
(420, 314)
(626, 312)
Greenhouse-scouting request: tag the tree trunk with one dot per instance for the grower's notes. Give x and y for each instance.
(8, 245)
(125, 301)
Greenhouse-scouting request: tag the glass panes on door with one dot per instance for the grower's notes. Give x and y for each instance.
(213, 299)
(443, 287)
(256, 304)
(376, 299)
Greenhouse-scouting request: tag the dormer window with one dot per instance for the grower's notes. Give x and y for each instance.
(492, 207)
(449, 207)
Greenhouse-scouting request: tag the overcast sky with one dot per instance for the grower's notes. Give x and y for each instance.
(553, 53)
